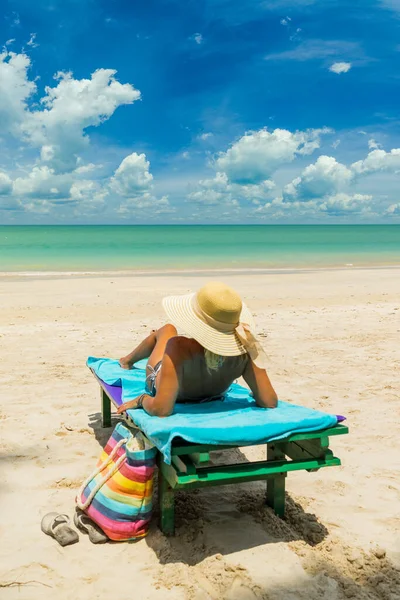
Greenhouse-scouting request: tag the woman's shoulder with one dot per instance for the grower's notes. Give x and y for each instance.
(239, 361)
(183, 346)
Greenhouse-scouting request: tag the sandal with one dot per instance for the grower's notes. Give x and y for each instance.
(85, 523)
(57, 526)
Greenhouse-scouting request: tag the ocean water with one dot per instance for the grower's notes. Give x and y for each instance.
(195, 247)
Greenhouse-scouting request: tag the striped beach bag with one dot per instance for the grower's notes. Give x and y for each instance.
(118, 494)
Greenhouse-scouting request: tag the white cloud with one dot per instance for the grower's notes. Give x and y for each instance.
(5, 184)
(254, 192)
(88, 195)
(211, 191)
(57, 127)
(185, 155)
(334, 205)
(218, 190)
(15, 90)
(340, 204)
(335, 144)
(205, 136)
(32, 41)
(340, 67)
(134, 183)
(87, 168)
(285, 21)
(393, 209)
(15, 19)
(316, 49)
(85, 189)
(326, 176)
(132, 178)
(256, 155)
(146, 202)
(43, 183)
(378, 160)
(198, 38)
(8, 203)
(373, 144)
(38, 206)
(71, 107)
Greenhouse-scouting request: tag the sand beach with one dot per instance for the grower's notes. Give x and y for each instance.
(332, 338)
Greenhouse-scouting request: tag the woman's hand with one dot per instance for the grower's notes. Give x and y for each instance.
(131, 404)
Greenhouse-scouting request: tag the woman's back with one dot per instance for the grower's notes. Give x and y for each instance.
(198, 380)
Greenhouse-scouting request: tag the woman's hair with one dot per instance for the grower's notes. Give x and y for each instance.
(213, 361)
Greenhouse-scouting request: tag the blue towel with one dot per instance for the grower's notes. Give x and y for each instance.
(109, 370)
(235, 420)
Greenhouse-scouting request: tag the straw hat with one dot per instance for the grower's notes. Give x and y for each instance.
(215, 316)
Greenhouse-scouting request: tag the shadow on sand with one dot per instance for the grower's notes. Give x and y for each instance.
(214, 525)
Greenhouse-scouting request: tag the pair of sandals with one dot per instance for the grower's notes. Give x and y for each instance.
(58, 526)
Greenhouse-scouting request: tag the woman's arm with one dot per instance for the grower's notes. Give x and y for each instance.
(162, 404)
(259, 383)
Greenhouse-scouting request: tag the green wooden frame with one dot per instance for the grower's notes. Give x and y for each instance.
(190, 468)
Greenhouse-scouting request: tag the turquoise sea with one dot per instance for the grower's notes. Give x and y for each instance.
(143, 248)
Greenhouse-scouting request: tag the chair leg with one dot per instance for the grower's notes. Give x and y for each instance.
(276, 494)
(276, 484)
(105, 409)
(167, 505)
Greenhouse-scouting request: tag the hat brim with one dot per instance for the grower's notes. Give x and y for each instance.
(180, 311)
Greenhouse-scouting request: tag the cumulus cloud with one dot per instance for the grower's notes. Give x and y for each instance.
(256, 155)
(43, 183)
(69, 109)
(132, 177)
(326, 185)
(57, 125)
(326, 176)
(342, 204)
(134, 183)
(87, 190)
(373, 144)
(243, 172)
(340, 67)
(38, 206)
(393, 210)
(86, 168)
(15, 90)
(378, 160)
(5, 184)
(218, 190)
(211, 191)
(155, 206)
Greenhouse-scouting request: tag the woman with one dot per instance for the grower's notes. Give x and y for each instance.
(221, 348)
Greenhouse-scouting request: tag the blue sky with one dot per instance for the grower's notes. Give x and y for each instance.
(213, 111)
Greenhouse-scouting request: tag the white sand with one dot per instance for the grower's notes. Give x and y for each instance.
(333, 341)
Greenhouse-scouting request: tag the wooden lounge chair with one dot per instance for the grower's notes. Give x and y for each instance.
(190, 469)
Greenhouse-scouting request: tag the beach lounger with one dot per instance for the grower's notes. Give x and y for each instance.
(190, 469)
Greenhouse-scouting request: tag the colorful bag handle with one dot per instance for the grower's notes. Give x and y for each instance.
(101, 467)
